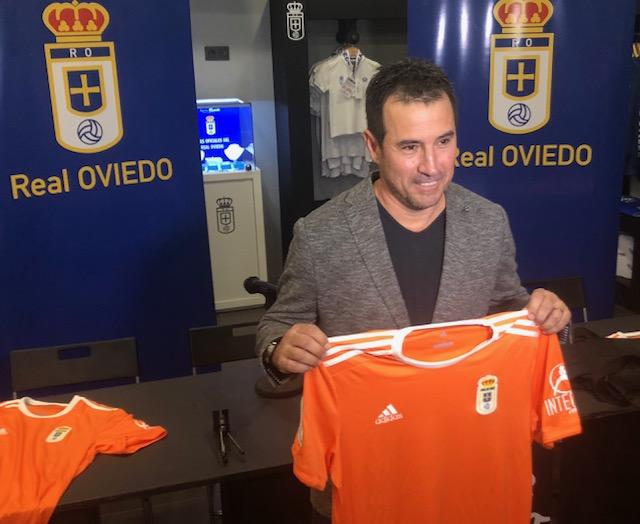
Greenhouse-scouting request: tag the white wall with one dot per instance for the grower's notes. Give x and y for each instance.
(244, 26)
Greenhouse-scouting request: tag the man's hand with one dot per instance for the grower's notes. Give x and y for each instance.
(300, 349)
(547, 310)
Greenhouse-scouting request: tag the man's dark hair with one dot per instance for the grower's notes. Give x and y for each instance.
(410, 80)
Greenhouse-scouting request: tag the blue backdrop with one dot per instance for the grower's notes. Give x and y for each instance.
(102, 219)
(543, 91)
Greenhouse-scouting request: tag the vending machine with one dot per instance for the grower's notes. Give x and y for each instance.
(233, 198)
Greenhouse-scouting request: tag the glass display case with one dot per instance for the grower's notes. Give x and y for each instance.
(225, 128)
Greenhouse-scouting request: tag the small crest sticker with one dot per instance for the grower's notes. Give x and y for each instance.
(226, 219)
(521, 66)
(210, 125)
(487, 395)
(58, 434)
(83, 80)
(295, 21)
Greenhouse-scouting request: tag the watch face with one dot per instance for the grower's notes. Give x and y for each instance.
(268, 352)
(266, 356)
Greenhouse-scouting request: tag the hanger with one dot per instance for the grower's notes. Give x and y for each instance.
(352, 50)
(348, 36)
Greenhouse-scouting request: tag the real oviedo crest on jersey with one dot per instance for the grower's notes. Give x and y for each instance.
(521, 66)
(83, 80)
(487, 395)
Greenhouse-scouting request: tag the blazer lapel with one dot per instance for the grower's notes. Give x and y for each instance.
(363, 218)
(453, 266)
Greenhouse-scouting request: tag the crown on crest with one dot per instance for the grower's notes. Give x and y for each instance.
(295, 7)
(224, 202)
(76, 21)
(522, 16)
(488, 382)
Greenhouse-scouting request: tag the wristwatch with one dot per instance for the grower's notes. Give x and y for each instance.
(274, 373)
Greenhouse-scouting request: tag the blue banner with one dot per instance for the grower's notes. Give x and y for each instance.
(543, 89)
(102, 218)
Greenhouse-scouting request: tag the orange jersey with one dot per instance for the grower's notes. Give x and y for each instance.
(43, 446)
(433, 424)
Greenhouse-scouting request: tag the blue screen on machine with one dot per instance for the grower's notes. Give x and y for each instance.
(226, 137)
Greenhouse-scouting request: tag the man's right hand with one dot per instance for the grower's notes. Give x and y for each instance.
(300, 349)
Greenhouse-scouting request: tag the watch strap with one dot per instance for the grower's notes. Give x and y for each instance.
(277, 376)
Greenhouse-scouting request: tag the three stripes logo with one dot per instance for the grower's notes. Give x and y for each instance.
(388, 414)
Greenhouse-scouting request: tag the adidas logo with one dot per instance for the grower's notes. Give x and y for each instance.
(389, 414)
(3, 431)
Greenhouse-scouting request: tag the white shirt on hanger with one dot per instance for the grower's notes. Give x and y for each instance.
(346, 85)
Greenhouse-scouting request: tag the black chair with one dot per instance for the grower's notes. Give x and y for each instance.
(75, 364)
(571, 291)
(214, 345)
(263, 386)
(210, 347)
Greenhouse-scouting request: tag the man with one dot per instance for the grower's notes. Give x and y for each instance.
(405, 246)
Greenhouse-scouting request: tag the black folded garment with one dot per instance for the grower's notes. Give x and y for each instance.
(618, 383)
(608, 368)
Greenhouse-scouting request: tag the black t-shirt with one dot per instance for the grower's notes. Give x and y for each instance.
(417, 261)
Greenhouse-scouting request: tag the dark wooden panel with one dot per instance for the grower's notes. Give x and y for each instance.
(291, 93)
(370, 9)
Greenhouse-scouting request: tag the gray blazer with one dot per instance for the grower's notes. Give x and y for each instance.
(339, 274)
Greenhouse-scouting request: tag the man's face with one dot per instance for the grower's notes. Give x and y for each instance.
(417, 156)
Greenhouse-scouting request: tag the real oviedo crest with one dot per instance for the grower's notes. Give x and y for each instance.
(521, 66)
(226, 217)
(487, 395)
(295, 21)
(83, 80)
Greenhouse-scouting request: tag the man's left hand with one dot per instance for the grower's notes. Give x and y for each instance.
(547, 310)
